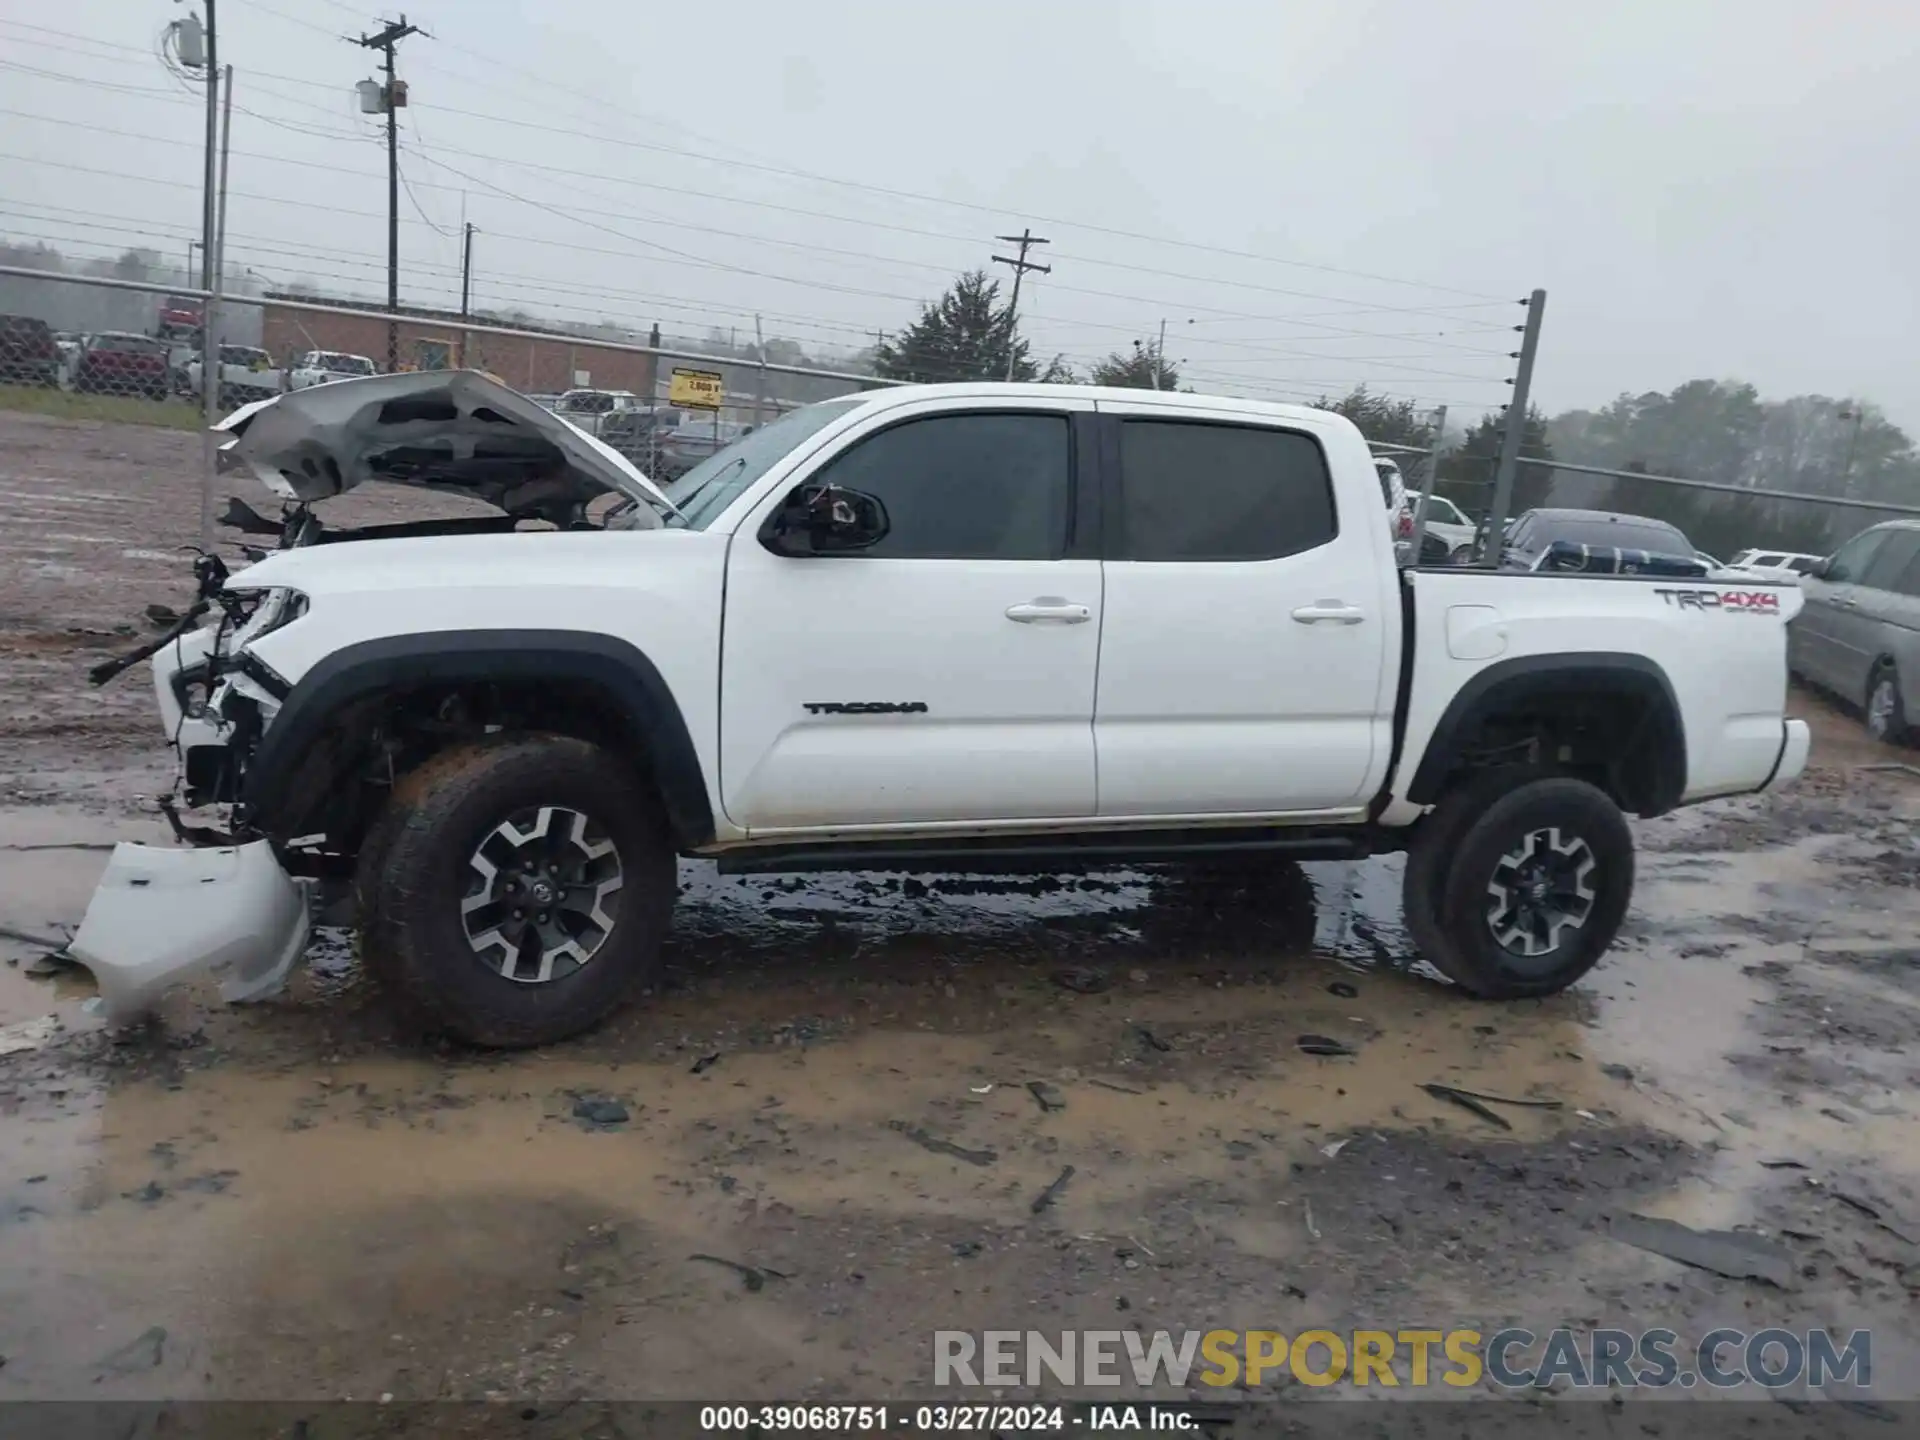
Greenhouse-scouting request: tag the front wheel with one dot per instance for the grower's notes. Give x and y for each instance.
(516, 891)
(1537, 889)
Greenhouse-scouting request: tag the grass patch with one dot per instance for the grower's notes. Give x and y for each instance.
(119, 409)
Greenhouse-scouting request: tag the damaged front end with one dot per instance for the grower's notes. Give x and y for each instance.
(234, 901)
(221, 904)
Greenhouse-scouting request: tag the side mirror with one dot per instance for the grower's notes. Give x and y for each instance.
(1822, 569)
(825, 520)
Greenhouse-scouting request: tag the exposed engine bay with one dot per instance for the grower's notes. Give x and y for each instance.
(455, 432)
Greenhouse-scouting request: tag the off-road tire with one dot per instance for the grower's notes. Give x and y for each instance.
(1577, 813)
(1896, 731)
(414, 871)
(1436, 840)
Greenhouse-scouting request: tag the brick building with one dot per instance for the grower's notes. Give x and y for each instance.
(431, 340)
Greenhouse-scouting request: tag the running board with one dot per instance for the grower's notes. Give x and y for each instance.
(1047, 854)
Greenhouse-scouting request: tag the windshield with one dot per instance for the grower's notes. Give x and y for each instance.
(709, 487)
(1621, 534)
(346, 364)
(127, 345)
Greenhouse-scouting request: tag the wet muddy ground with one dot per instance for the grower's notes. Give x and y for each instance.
(860, 1088)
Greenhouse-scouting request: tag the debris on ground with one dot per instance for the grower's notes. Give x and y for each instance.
(1081, 979)
(28, 1035)
(141, 1353)
(599, 1111)
(942, 1147)
(1153, 1041)
(705, 1063)
(1324, 1045)
(1731, 1253)
(967, 1249)
(1052, 1193)
(1332, 1152)
(1344, 990)
(1239, 1149)
(1622, 1073)
(1876, 1210)
(1049, 1096)
(29, 937)
(1115, 1085)
(755, 1276)
(1478, 1103)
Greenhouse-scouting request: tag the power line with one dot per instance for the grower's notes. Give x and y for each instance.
(549, 87)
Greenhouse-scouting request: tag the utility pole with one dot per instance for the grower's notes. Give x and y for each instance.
(1160, 353)
(208, 219)
(1514, 430)
(211, 370)
(466, 290)
(392, 96)
(1426, 486)
(1026, 240)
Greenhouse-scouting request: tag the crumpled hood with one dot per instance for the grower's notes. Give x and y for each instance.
(455, 431)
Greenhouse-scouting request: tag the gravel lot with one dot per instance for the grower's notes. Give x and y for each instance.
(306, 1207)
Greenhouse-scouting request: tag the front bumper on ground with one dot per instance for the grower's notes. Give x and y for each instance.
(162, 916)
(1795, 746)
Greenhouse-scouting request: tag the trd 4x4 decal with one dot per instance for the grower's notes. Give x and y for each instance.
(867, 707)
(1739, 602)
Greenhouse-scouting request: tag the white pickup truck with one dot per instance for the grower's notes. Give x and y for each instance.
(939, 627)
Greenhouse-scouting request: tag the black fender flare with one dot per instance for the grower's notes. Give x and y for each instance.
(1509, 683)
(395, 663)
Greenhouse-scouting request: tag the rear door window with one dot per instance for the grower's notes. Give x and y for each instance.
(1199, 490)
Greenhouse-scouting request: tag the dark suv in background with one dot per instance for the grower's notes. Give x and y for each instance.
(1598, 541)
(28, 353)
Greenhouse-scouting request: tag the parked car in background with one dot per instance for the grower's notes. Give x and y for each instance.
(118, 362)
(591, 409)
(639, 434)
(1858, 634)
(1446, 523)
(1534, 532)
(1775, 564)
(321, 367)
(69, 343)
(246, 374)
(180, 318)
(28, 353)
(694, 439)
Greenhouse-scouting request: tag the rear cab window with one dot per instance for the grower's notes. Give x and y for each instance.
(1200, 490)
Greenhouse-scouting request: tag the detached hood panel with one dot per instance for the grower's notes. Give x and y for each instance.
(450, 430)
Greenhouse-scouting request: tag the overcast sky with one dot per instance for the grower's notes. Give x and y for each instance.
(1312, 193)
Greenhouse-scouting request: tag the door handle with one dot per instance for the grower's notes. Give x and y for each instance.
(1050, 609)
(1336, 611)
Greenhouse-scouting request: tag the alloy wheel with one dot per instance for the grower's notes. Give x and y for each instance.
(1540, 889)
(543, 894)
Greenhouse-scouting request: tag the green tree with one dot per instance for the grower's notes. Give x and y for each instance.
(1381, 419)
(967, 334)
(1137, 371)
(1467, 471)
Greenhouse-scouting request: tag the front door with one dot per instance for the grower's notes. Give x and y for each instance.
(946, 673)
(1245, 664)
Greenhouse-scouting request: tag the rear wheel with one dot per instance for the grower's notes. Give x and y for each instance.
(516, 891)
(1436, 840)
(1886, 715)
(1537, 889)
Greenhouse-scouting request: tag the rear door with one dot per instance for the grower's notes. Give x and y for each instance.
(945, 675)
(1821, 643)
(1244, 660)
